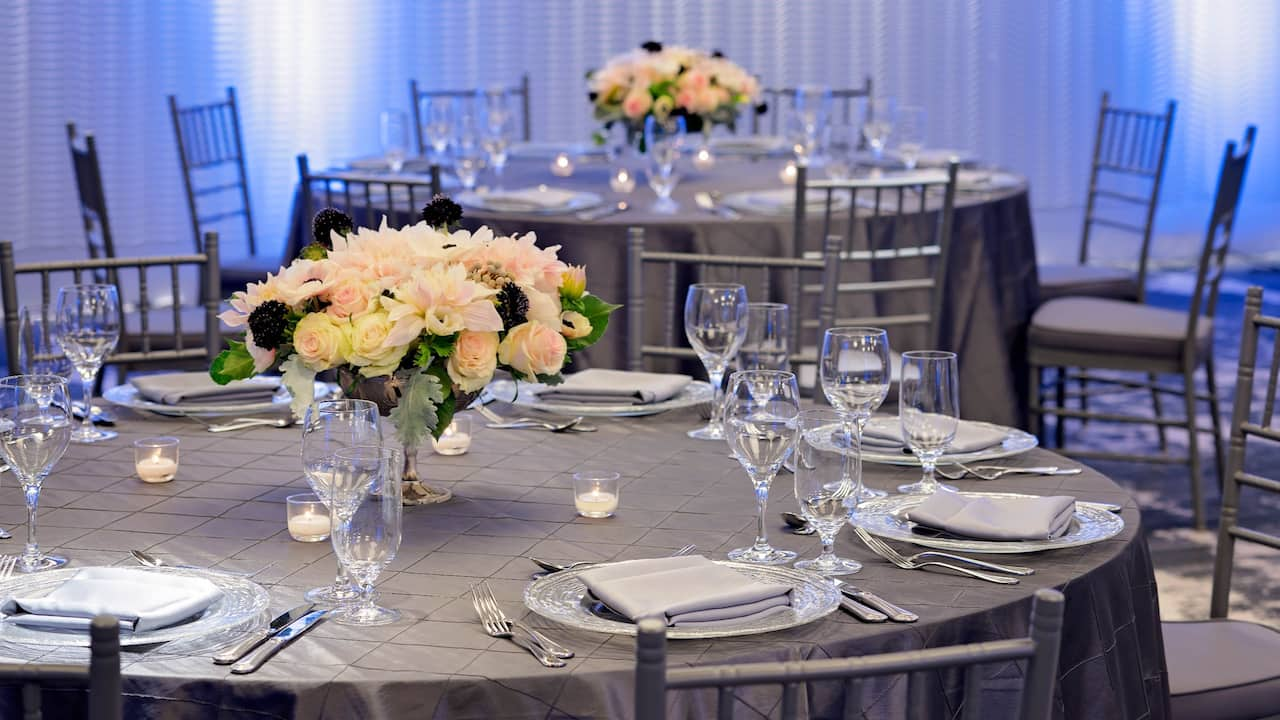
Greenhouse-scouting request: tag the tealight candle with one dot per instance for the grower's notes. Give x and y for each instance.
(595, 494)
(456, 438)
(788, 173)
(156, 459)
(622, 181)
(562, 166)
(703, 159)
(307, 517)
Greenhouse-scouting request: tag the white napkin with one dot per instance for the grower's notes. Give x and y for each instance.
(528, 199)
(986, 180)
(884, 432)
(198, 387)
(689, 591)
(141, 599)
(996, 518)
(599, 386)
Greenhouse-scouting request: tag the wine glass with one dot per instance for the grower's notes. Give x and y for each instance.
(437, 114)
(88, 326)
(663, 141)
(855, 374)
(495, 136)
(813, 104)
(368, 504)
(803, 136)
(35, 428)
(761, 410)
(820, 462)
(327, 427)
(393, 127)
(715, 322)
(766, 344)
(929, 408)
(39, 351)
(910, 133)
(877, 124)
(839, 143)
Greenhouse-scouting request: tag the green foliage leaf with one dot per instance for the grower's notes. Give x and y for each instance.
(416, 415)
(442, 345)
(234, 363)
(597, 311)
(551, 379)
(314, 251)
(444, 413)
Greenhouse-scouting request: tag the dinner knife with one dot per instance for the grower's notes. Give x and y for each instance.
(257, 637)
(277, 642)
(862, 612)
(893, 612)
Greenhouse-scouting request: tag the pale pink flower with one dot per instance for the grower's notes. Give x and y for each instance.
(543, 307)
(321, 343)
(442, 301)
(351, 294)
(533, 349)
(574, 325)
(519, 257)
(473, 360)
(637, 103)
(263, 358)
(301, 281)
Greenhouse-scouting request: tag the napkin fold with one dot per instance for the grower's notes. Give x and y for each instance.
(141, 599)
(198, 387)
(996, 518)
(615, 387)
(884, 432)
(527, 199)
(689, 591)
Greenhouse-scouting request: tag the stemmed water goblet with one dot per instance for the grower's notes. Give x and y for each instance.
(437, 114)
(855, 373)
(39, 351)
(820, 461)
(839, 143)
(35, 428)
(327, 427)
(495, 136)
(663, 141)
(877, 124)
(761, 411)
(393, 129)
(768, 332)
(910, 134)
(88, 328)
(929, 409)
(367, 503)
(715, 322)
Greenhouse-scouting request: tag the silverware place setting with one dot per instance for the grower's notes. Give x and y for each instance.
(257, 637)
(498, 422)
(883, 549)
(604, 211)
(496, 624)
(994, 472)
(278, 641)
(552, 567)
(875, 602)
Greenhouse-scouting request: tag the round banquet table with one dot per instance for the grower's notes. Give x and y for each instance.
(512, 499)
(990, 288)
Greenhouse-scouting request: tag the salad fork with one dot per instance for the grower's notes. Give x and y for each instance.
(491, 602)
(7, 564)
(883, 550)
(496, 628)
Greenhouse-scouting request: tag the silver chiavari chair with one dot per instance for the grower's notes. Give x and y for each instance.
(416, 96)
(93, 200)
(1039, 651)
(101, 676)
(774, 98)
(366, 197)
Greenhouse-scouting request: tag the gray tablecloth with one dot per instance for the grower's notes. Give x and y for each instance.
(512, 499)
(990, 287)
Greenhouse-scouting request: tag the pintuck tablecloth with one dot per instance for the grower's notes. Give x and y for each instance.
(990, 288)
(512, 499)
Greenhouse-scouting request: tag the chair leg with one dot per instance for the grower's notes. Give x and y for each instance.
(1035, 396)
(1193, 447)
(1155, 403)
(1215, 417)
(1060, 397)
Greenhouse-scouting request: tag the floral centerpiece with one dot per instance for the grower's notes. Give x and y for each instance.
(705, 89)
(417, 319)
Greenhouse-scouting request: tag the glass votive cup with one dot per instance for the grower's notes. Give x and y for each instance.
(307, 517)
(788, 173)
(562, 165)
(621, 180)
(703, 159)
(595, 493)
(456, 438)
(156, 459)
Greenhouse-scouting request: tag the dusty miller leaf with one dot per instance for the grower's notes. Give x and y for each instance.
(300, 380)
(415, 417)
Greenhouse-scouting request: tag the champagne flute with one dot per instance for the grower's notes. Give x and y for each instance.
(88, 324)
(761, 411)
(877, 124)
(929, 409)
(663, 141)
(820, 461)
(855, 375)
(715, 322)
(35, 428)
(368, 505)
(766, 344)
(393, 127)
(327, 427)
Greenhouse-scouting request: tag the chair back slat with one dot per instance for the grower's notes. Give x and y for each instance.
(417, 94)
(93, 199)
(101, 676)
(774, 99)
(209, 140)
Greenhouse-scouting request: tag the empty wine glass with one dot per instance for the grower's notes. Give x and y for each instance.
(327, 427)
(929, 408)
(368, 504)
(803, 136)
(35, 428)
(715, 322)
(663, 140)
(88, 325)
(820, 462)
(468, 159)
(39, 351)
(840, 142)
(877, 124)
(855, 375)
(813, 104)
(393, 129)
(761, 409)
(766, 343)
(910, 134)
(437, 123)
(495, 136)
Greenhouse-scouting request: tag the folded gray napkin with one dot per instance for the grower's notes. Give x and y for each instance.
(141, 599)
(884, 432)
(996, 518)
(198, 387)
(688, 591)
(598, 386)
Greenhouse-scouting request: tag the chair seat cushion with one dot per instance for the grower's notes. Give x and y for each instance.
(1114, 327)
(1222, 669)
(1088, 281)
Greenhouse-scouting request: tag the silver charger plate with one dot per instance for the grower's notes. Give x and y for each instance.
(580, 201)
(1015, 442)
(128, 396)
(782, 202)
(559, 597)
(694, 394)
(748, 145)
(887, 518)
(242, 607)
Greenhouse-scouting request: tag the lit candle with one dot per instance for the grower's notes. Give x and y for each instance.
(703, 159)
(309, 526)
(622, 181)
(596, 503)
(456, 438)
(562, 166)
(156, 469)
(788, 173)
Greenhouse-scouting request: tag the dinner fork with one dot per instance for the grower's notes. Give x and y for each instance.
(496, 628)
(551, 646)
(985, 564)
(7, 564)
(883, 550)
(994, 472)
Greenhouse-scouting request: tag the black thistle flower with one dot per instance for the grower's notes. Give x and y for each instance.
(652, 46)
(328, 220)
(267, 323)
(513, 305)
(442, 212)
(762, 108)
(717, 54)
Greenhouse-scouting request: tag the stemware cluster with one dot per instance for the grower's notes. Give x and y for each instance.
(813, 133)
(469, 132)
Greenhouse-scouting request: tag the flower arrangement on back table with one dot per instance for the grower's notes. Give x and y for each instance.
(706, 89)
(429, 310)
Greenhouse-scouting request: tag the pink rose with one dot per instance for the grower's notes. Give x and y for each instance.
(350, 295)
(636, 103)
(685, 99)
(533, 349)
(474, 359)
(320, 341)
